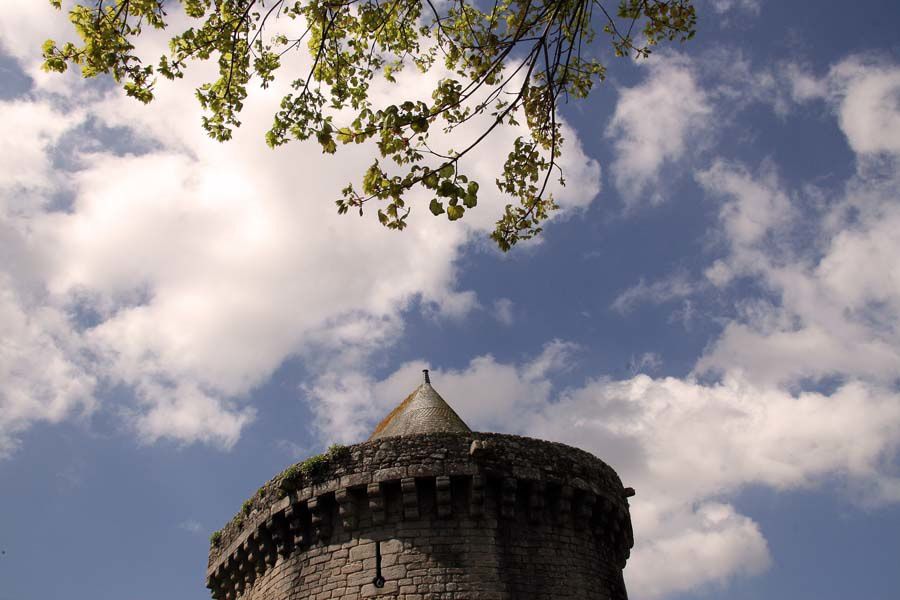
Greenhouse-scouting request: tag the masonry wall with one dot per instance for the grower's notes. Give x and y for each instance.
(455, 517)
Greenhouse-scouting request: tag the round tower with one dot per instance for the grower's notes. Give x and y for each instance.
(427, 509)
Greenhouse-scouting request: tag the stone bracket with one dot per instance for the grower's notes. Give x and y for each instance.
(376, 503)
(346, 508)
(320, 518)
(410, 498)
(443, 496)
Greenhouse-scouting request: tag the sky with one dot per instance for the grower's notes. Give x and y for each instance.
(714, 311)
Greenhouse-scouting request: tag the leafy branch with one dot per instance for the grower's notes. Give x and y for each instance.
(510, 60)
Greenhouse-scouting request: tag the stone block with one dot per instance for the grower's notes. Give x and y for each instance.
(370, 591)
(389, 474)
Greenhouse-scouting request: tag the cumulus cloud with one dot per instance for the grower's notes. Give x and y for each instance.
(685, 444)
(347, 405)
(667, 289)
(29, 132)
(190, 272)
(862, 91)
(798, 389)
(42, 361)
(836, 305)
(773, 234)
(808, 369)
(710, 544)
(682, 443)
(645, 363)
(865, 95)
(42, 369)
(669, 123)
(652, 125)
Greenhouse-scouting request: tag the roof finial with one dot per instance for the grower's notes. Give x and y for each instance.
(427, 378)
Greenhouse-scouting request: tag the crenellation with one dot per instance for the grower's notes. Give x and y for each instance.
(476, 497)
(346, 508)
(320, 518)
(251, 553)
(275, 525)
(294, 530)
(517, 519)
(443, 496)
(237, 572)
(267, 549)
(564, 504)
(508, 486)
(410, 498)
(376, 503)
(584, 508)
(536, 501)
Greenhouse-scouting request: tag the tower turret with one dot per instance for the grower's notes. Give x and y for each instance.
(428, 509)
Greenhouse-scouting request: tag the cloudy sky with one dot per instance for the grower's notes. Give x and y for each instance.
(715, 311)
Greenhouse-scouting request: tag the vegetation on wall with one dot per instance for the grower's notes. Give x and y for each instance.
(291, 479)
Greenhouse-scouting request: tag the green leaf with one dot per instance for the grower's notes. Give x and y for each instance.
(455, 212)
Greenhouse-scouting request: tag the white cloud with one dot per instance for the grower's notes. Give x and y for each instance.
(683, 444)
(836, 305)
(708, 545)
(762, 209)
(186, 413)
(869, 97)
(699, 440)
(293, 450)
(798, 390)
(43, 374)
(504, 311)
(865, 93)
(653, 124)
(191, 526)
(667, 124)
(645, 363)
(721, 7)
(556, 356)
(28, 133)
(42, 363)
(824, 258)
(348, 404)
(803, 85)
(204, 266)
(669, 288)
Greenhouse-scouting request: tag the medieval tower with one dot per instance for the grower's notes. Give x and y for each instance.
(427, 509)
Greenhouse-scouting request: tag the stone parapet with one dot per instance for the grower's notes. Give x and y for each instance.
(517, 517)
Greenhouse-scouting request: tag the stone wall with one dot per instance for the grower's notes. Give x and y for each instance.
(447, 516)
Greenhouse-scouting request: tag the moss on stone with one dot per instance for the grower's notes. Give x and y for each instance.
(312, 468)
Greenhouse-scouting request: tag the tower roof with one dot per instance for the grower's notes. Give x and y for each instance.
(423, 411)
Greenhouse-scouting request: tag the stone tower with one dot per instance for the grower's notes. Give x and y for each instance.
(426, 509)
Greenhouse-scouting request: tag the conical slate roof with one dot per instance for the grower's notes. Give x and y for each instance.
(423, 411)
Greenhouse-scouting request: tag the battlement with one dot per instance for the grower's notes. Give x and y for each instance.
(501, 512)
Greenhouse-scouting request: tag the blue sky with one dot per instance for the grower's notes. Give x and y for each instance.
(715, 311)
